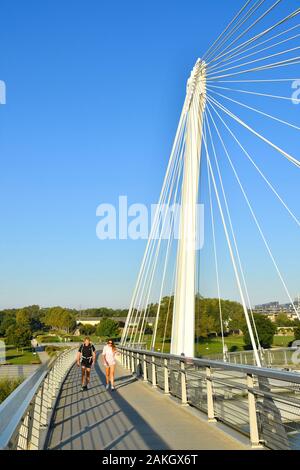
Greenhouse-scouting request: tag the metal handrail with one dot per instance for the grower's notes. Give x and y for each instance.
(16, 406)
(251, 401)
(13, 408)
(258, 371)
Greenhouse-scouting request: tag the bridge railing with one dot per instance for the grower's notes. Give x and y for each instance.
(275, 357)
(261, 403)
(26, 414)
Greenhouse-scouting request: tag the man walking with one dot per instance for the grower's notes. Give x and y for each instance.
(86, 357)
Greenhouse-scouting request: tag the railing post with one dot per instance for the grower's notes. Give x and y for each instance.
(34, 436)
(254, 434)
(44, 407)
(145, 369)
(210, 398)
(128, 360)
(154, 383)
(47, 391)
(138, 369)
(166, 377)
(132, 362)
(184, 400)
(23, 434)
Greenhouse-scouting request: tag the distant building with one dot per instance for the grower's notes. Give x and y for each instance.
(273, 309)
(121, 320)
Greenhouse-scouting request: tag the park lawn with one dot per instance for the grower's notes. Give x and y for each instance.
(282, 341)
(20, 357)
(46, 338)
(210, 346)
(204, 347)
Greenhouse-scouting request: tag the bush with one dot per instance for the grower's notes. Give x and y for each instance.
(53, 350)
(108, 328)
(297, 333)
(48, 339)
(7, 386)
(87, 330)
(19, 336)
(265, 329)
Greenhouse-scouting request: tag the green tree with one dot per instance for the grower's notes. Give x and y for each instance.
(164, 327)
(265, 329)
(7, 322)
(283, 320)
(19, 336)
(30, 317)
(87, 330)
(107, 328)
(297, 332)
(60, 318)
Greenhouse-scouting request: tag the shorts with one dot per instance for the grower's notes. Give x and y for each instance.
(109, 364)
(86, 363)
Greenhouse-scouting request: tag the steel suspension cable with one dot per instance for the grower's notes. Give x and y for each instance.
(256, 222)
(264, 139)
(257, 358)
(231, 227)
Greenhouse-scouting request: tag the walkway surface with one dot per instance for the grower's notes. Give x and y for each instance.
(135, 416)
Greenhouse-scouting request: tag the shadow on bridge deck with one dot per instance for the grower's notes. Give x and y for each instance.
(133, 417)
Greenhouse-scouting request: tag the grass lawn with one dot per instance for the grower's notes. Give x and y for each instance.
(205, 347)
(20, 357)
(46, 338)
(282, 341)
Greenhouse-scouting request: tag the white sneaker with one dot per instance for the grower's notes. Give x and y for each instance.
(107, 386)
(113, 388)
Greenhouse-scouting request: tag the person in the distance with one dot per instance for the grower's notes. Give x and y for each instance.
(86, 357)
(109, 360)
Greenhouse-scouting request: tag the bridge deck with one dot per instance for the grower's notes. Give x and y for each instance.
(133, 417)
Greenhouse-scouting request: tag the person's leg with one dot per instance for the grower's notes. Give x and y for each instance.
(88, 375)
(83, 376)
(112, 375)
(107, 373)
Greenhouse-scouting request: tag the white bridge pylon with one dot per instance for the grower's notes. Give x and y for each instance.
(166, 288)
(183, 327)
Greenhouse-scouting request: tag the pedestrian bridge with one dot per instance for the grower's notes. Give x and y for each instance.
(161, 402)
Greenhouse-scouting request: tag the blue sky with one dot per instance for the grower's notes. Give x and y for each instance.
(94, 92)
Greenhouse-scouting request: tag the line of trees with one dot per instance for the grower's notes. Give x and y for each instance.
(207, 320)
(20, 325)
(103, 312)
(207, 316)
(106, 328)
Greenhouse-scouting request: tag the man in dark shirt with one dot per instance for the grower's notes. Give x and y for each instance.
(86, 357)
